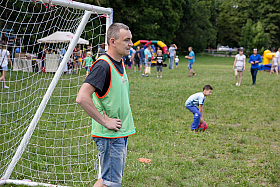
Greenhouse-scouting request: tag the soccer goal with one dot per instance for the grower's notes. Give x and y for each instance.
(44, 135)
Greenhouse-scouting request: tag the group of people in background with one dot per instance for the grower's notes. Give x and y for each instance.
(143, 57)
(240, 63)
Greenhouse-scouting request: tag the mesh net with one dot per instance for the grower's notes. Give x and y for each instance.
(60, 150)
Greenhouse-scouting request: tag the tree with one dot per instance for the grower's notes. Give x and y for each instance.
(148, 20)
(253, 36)
(195, 29)
(232, 17)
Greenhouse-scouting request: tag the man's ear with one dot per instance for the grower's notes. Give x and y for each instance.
(112, 42)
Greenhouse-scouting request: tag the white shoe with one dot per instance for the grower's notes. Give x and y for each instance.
(236, 84)
(161, 77)
(157, 76)
(6, 86)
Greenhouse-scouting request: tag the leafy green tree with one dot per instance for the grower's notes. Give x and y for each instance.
(232, 17)
(269, 13)
(150, 20)
(254, 36)
(195, 29)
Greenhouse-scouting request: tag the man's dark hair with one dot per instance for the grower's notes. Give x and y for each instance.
(141, 46)
(207, 87)
(148, 45)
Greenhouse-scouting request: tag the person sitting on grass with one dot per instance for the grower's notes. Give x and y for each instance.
(88, 62)
(197, 100)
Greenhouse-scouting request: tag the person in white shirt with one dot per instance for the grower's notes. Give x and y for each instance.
(274, 65)
(172, 52)
(278, 56)
(239, 66)
(4, 58)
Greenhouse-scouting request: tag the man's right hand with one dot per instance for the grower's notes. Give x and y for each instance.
(111, 123)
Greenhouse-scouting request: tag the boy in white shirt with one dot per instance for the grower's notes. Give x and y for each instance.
(195, 105)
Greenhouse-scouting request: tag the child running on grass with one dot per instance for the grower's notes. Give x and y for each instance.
(197, 100)
(88, 62)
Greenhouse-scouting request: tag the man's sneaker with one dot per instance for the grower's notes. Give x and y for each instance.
(157, 76)
(194, 74)
(6, 86)
(161, 77)
(236, 84)
(142, 75)
(147, 75)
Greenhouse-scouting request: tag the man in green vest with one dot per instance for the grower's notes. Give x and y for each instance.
(104, 96)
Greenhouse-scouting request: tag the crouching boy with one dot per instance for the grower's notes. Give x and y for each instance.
(195, 104)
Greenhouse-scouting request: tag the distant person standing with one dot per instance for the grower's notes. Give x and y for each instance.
(254, 60)
(4, 59)
(142, 57)
(137, 59)
(148, 60)
(278, 56)
(159, 59)
(100, 51)
(172, 52)
(87, 62)
(239, 66)
(230, 52)
(274, 65)
(191, 58)
(176, 61)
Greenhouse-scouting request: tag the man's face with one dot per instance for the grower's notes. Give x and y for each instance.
(124, 43)
(255, 52)
(279, 49)
(190, 49)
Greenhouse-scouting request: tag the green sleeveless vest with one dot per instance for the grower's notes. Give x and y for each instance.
(115, 103)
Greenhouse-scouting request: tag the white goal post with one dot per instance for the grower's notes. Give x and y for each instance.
(55, 155)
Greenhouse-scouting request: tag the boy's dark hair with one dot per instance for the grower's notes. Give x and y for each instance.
(207, 87)
(148, 45)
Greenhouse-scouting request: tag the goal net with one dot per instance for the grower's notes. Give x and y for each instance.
(44, 135)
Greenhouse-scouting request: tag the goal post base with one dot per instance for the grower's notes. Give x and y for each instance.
(27, 183)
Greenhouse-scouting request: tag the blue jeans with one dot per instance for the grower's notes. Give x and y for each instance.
(254, 74)
(112, 154)
(171, 60)
(196, 116)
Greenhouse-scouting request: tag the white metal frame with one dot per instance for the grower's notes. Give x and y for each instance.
(89, 9)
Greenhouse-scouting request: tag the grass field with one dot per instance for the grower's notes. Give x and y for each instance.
(240, 147)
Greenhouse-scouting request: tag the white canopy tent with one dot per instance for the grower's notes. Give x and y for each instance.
(61, 37)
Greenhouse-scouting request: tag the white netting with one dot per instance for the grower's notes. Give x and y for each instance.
(60, 150)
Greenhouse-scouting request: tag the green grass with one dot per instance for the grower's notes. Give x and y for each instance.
(240, 147)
